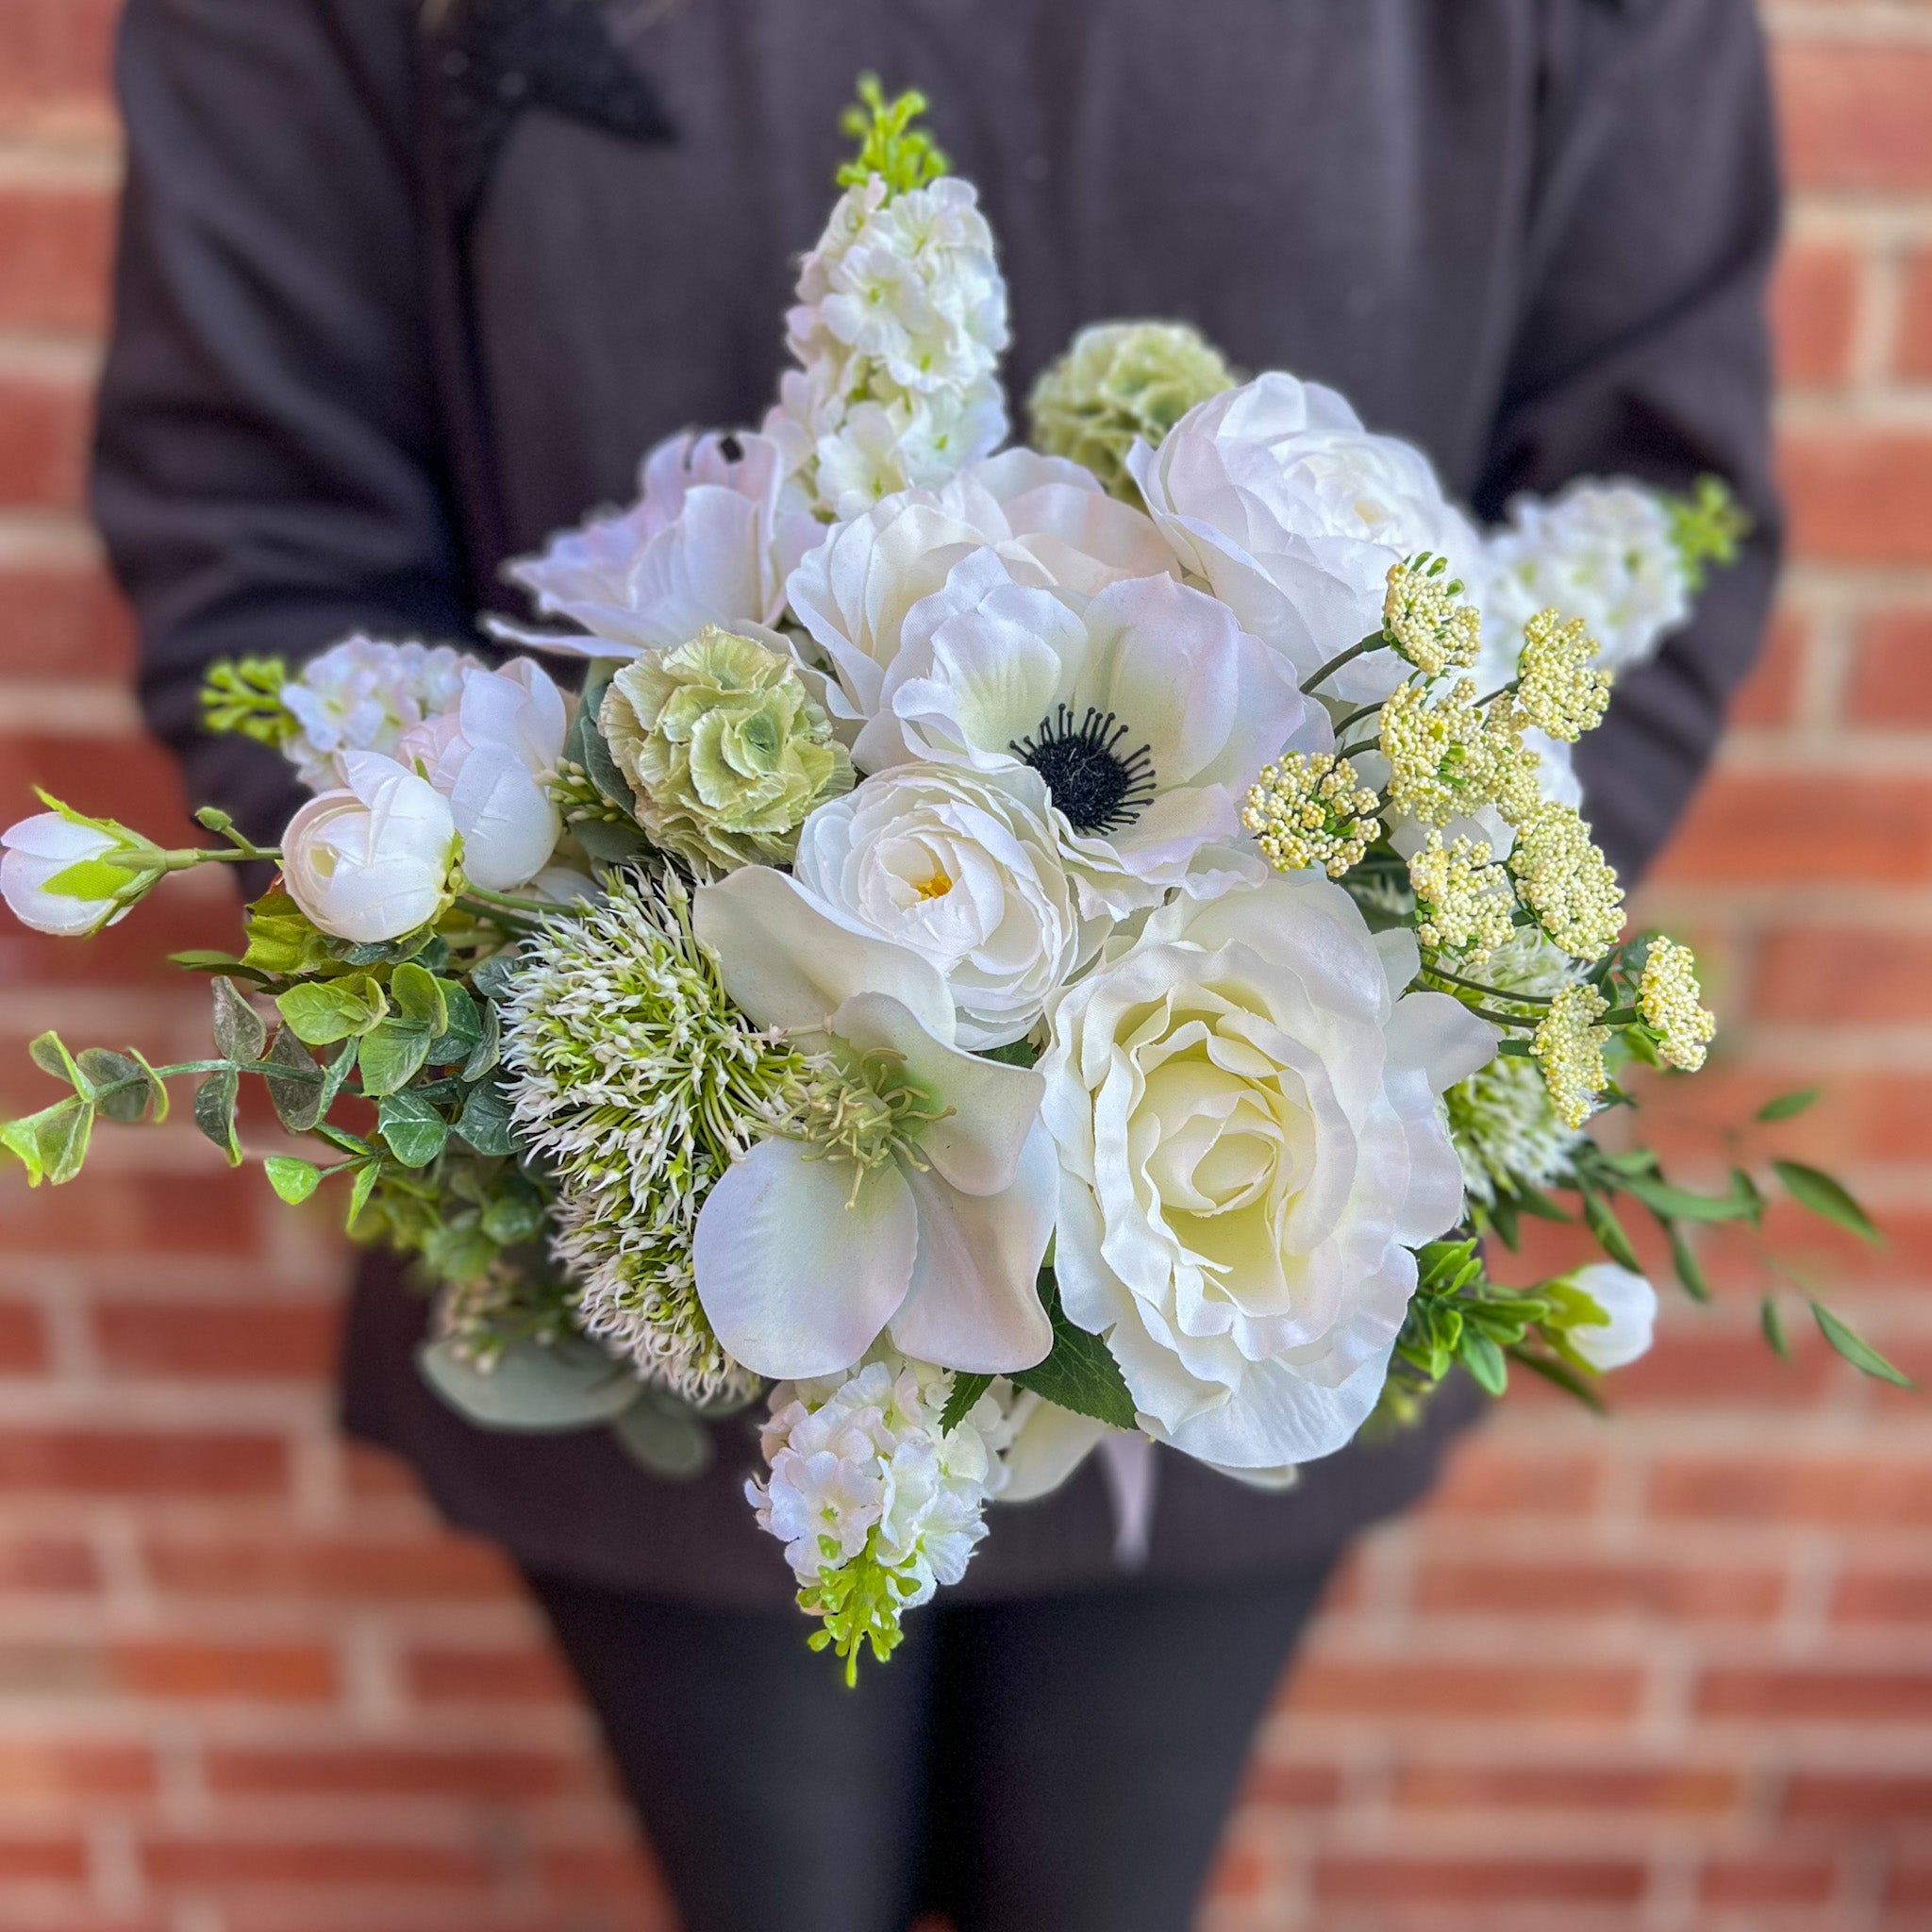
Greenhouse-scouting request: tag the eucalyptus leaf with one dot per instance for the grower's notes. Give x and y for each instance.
(674, 1445)
(324, 1010)
(512, 1218)
(1857, 1350)
(214, 1111)
(496, 976)
(297, 1093)
(486, 1121)
(390, 1056)
(489, 1048)
(124, 1087)
(241, 1032)
(418, 998)
(608, 841)
(463, 1031)
(413, 1130)
(1078, 1373)
(49, 1053)
(157, 1087)
(336, 1073)
(1826, 1198)
(569, 1385)
(52, 1143)
(366, 1177)
(293, 1179)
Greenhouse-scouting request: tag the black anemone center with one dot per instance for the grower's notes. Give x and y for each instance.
(1100, 787)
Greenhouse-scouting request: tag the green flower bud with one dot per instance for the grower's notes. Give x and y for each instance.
(724, 748)
(1120, 380)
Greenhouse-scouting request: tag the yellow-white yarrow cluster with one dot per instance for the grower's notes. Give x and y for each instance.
(1557, 689)
(1570, 886)
(1448, 754)
(1424, 616)
(1670, 999)
(1463, 897)
(1568, 1047)
(1312, 811)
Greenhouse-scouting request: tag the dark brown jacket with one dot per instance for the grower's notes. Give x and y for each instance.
(399, 296)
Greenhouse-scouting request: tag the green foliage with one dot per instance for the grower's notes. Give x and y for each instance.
(861, 1603)
(531, 1388)
(1826, 1198)
(1785, 1105)
(664, 1437)
(901, 154)
(1707, 526)
(214, 1111)
(321, 1011)
(961, 1400)
(1078, 1373)
(242, 696)
(293, 1179)
(1857, 1350)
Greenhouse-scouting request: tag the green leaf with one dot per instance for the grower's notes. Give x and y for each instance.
(1826, 1198)
(1078, 1374)
(1503, 1218)
(486, 1121)
(297, 1096)
(664, 1441)
(496, 978)
(1555, 1369)
(1484, 1360)
(1534, 1201)
(281, 938)
(966, 1391)
(1785, 1105)
(49, 1053)
(462, 1030)
(241, 1032)
(335, 1073)
(1857, 1350)
(322, 1011)
(1018, 1053)
(489, 1049)
(603, 774)
(1609, 1233)
(571, 1384)
(366, 1177)
(414, 1130)
(1774, 1325)
(294, 1180)
(214, 1111)
(512, 1218)
(124, 1087)
(52, 1143)
(1684, 1259)
(157, 1087)
(459, 1250)
(390, 1056)
(608, 841)
(418, 998)
(1680, 1204)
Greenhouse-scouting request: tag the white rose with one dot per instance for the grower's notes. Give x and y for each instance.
(1629, 1306)
(964, 869)
(41, 848)
(710, 539)
(1146, 709)
(1277, 498)
(492, 757)
(371, 862)
(1251, 1143)
(363, 695)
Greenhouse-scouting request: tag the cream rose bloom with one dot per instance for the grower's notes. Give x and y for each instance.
(1245, 1104)
(964, 869)
(1277, 498)
(1049, 521)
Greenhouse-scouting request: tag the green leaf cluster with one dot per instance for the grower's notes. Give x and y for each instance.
(243, 698)
(902, 155)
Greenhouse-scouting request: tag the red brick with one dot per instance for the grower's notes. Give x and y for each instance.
(60, 1769)
(1884, 1596)
(1399, 1879)
(370, 1472)
(1820, 1693)
(23, 1339)
(1499, 1587)
(63, 622)
(43, 434)
(55, 246)
(60, 1564)
(327, 1568)
(1911, 1884)
(1821, 975)
(490, 1676)
(1765, 1488)
(55, 46)
(42, 1860)
(1853, 114)
(612, 1869)
(1444, 1688)
(129, 778)
(1858, 496)
(1915, 324)
(131, 1214)
(229, 1861)
(1570, 1787)
(1768, 1880)
(400, 1771)
(1494, 1478)
(1813, 301)
(246, 1674)
(1691, 1364)
(1891, 687)
(1750, 829)
(217, 1339)
(1865, 1799)
(1769, 695)
(1291, 1786)
(142, 1462)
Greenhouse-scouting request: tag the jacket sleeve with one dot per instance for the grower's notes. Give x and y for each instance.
(1643, 351)
(267, 474)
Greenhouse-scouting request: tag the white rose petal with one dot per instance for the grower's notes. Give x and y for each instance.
(371, 862)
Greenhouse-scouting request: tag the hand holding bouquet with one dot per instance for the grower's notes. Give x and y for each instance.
(1005, 945)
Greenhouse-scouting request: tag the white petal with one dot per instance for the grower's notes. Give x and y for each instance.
(1051, 1445)
(796, 1282)
(509, 824)
(1441, 1037)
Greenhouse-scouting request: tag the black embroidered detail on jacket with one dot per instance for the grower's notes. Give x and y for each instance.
(492, 58)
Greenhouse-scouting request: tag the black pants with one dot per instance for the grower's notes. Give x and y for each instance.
(1060, 1764)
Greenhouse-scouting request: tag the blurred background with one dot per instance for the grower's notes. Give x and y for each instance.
(1672, 1672)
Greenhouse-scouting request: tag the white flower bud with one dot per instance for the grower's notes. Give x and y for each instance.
(41, 848)
(1629, 1306)
(371, 862)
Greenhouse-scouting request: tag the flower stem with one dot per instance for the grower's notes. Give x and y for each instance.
(1356, 716)
(1528, 999)
(1374, 641)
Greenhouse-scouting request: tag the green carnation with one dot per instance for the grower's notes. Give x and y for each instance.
(1120, 380)
(724, 748)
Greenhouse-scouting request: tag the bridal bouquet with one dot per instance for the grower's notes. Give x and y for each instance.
(1005, 945)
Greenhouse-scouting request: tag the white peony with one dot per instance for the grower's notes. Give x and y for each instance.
(492, 757)
(923, 1209)
(371, 862)
(710, 539)
(1277, 498)
(1251, 1143)
(1049, 521)
(363, 695)
(1146, 709)
(1629, 1306)
(964, 869)
(39, 849)
(1603, 552)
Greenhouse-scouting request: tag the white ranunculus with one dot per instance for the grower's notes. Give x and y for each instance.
(41, 848)
(964, 869)
(363, 695)
(802, 1258)
(1277, 498)
(1245, 1104)
(1049, 521)
(710, 539)
(1629, 1306)
(371, 862)
(1146, 709)
(492, 757)
(1601, 551)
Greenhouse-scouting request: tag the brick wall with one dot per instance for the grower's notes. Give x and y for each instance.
(1676, 1673)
